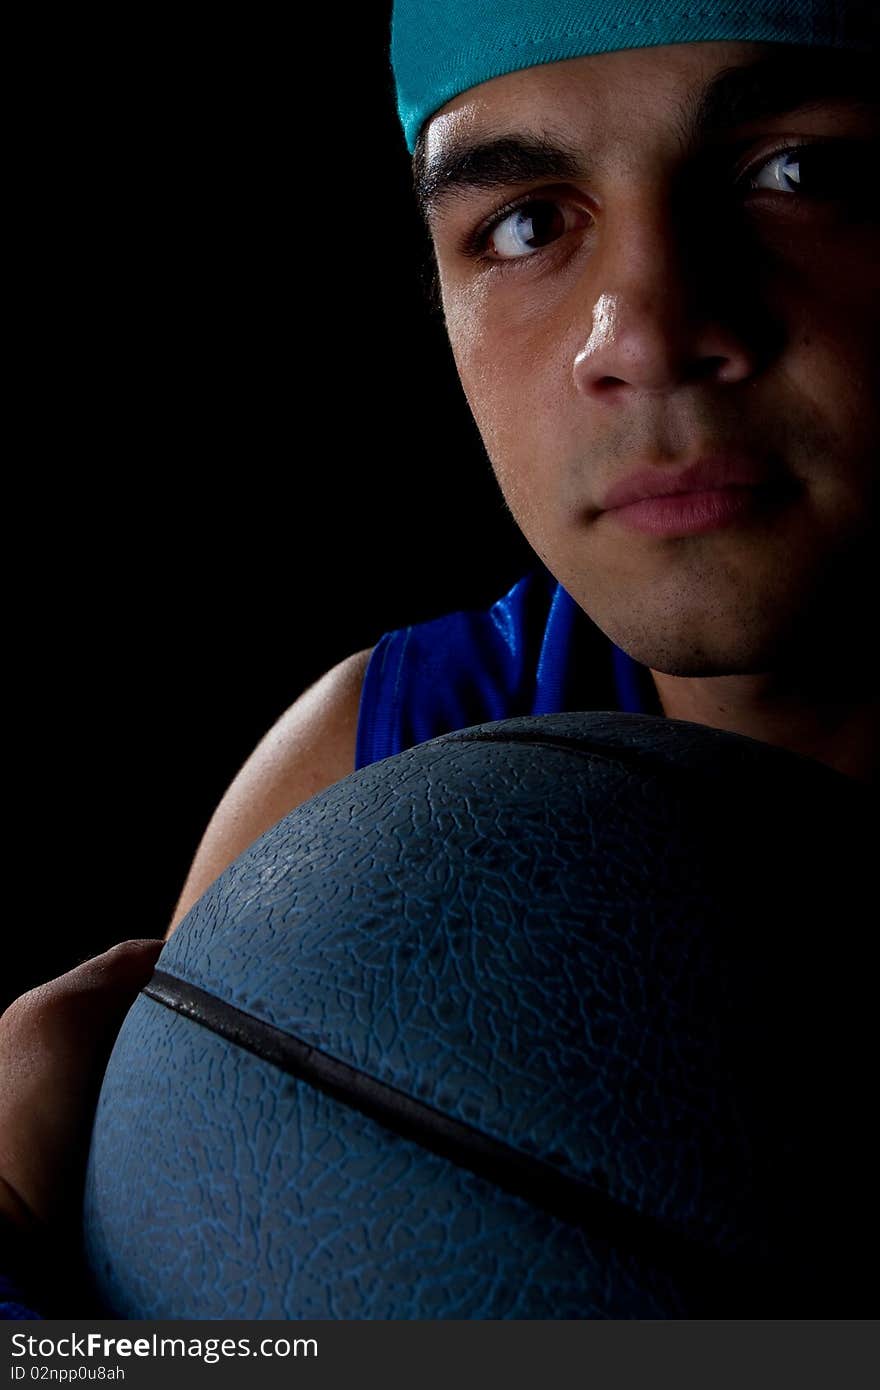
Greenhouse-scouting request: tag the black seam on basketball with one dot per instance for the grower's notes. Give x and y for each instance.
(641, 758)
(530, 1178)
(642, 761)
(637, 755)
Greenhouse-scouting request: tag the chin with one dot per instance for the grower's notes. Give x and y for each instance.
(734, 654)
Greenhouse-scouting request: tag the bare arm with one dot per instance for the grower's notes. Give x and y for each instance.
(310, 747)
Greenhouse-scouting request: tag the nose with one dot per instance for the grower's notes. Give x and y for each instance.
(668, 312)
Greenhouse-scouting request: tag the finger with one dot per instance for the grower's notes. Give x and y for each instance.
(103, 985)
(121, 966)
(54, 1045)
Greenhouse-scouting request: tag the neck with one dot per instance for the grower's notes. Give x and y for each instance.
(836, 726)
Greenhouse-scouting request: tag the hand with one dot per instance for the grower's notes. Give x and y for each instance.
(55, 1042)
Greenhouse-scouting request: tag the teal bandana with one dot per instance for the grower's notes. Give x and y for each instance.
(441, 47)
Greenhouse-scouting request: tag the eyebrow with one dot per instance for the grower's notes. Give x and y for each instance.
(770, 86)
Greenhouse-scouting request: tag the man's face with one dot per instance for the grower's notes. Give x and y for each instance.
(659, 297)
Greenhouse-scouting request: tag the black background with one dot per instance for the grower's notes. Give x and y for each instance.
(245, 450)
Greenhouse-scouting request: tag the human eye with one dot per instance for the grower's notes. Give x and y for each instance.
(822, 170)
(522, 231)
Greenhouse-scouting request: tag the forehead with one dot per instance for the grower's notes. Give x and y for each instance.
(610, 91)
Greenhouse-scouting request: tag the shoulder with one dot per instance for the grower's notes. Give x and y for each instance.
(308, 748)
(312, 744)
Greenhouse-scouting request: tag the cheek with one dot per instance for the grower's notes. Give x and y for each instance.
(828, 286)
(833, 362)
(512, 371)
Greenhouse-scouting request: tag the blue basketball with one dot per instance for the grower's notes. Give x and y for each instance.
(557, 1017)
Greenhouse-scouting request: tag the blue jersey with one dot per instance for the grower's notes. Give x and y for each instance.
(534, 651)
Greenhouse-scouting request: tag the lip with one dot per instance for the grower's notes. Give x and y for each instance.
(707, 474)
(688, 513)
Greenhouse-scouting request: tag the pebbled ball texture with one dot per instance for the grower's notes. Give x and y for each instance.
(633, 952)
